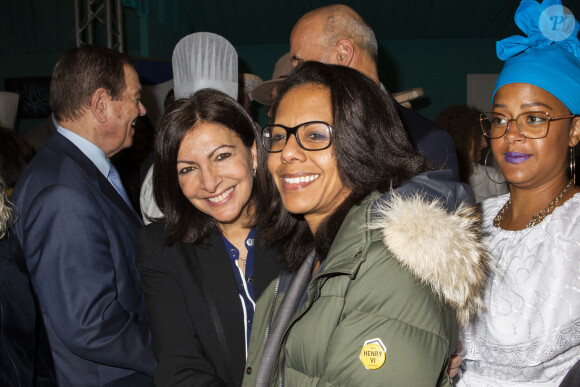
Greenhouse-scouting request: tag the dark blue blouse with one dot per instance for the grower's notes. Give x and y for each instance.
(245, 282)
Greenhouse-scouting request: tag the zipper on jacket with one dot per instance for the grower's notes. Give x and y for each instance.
(282, 363)
(318, 291)
(272, 310)
(283, 345)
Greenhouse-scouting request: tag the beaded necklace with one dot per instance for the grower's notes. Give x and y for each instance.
(540, 215)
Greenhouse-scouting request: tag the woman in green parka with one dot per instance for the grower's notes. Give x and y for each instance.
(379, 271)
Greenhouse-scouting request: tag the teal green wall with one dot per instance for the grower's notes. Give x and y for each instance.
(440, 66)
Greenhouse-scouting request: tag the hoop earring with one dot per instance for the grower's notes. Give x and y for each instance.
(572, 165)
(487, 173)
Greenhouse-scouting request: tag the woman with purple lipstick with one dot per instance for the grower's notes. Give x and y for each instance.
(530, 330)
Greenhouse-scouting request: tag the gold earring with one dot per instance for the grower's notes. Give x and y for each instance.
(487, 173)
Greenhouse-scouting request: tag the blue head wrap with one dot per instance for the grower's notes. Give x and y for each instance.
(550, 55)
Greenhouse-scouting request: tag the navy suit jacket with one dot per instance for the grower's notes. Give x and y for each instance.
(78, 238)
(433, 142)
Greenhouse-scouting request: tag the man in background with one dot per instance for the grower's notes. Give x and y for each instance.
(267, 91)
(77, 227)
(336, 34)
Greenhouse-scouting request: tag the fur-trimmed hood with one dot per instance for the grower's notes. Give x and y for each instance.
(442, 248)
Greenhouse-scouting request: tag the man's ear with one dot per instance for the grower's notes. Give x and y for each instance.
(344, 52)
(575, 132)
(99, 104)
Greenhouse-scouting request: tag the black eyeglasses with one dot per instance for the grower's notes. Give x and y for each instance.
(529, 124)
(312, 136)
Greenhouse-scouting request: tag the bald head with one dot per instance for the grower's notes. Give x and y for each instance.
(335, 34)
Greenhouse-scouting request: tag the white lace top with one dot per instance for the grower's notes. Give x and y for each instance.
(530, 331)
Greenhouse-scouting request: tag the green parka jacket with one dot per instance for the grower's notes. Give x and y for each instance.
(384, 309)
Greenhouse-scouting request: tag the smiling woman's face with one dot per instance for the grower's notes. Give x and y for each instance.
(308, 181)
(214, 169)
(527, 162)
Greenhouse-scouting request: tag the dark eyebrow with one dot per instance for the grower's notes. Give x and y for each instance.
(185, 162)
(218, 148)
(208, 156)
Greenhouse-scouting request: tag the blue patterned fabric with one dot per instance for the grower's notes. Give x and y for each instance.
(244, 281)
(115, 180)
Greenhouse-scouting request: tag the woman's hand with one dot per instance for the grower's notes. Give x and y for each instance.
(455, 362)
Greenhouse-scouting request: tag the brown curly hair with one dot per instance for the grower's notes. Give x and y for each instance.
(462, 122)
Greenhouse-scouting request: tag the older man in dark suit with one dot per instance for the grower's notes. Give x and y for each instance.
(77, 229)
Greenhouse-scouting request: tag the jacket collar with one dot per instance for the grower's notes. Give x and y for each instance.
(442, 248)
(65, 146)
(439, 245)
(348, 250)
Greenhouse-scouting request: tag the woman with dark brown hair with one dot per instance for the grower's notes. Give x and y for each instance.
(462, 122)
(375, 281)
(203, 265)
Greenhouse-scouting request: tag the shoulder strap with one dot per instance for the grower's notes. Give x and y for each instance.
(285, 312)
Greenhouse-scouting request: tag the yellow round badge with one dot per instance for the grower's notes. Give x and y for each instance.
(373, 354)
